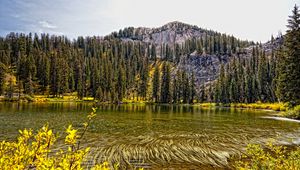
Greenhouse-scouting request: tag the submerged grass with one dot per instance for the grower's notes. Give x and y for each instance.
(145, 152)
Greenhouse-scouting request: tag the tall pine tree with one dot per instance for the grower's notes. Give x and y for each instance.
(288, 85)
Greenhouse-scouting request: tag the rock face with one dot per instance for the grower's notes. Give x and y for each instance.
(205, 67)
(171, 33)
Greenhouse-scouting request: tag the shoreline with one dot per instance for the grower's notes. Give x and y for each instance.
(279, 108)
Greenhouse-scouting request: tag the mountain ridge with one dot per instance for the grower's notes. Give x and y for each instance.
(204, 64)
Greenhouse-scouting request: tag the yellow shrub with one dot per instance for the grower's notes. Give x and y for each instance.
(273, 157)
(31, 151)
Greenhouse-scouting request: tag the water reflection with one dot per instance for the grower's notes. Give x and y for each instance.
(160, 134)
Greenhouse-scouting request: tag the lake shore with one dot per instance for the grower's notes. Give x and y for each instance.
(281, 108)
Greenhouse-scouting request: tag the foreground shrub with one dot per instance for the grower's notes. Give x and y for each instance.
(33, 151)
(272, 157)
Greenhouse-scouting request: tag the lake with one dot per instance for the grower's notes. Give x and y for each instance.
(155, 136)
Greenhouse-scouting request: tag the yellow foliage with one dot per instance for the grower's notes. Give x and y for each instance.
(259, 105)
(10, 80)
(293, 112)
(71, 137)
(273, 157)
(31, 151)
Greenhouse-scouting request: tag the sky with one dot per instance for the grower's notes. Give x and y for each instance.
(253, 20)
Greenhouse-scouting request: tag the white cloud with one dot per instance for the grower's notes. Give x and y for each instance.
(47, 25)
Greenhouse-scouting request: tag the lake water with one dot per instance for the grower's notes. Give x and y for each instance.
(155, 136)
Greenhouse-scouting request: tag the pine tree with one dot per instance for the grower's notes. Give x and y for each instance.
(220, 88)
(193, 88)
(234, 83)
(202, 96)
(155, 85)
(53, 73)
(288, 82)
(185, 87)
(177, 87)
(121, 83)
(165, 91)
(153, 52)
(262, 77)
(2, 76)
(144, 79)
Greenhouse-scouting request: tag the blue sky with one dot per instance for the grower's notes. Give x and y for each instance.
(247, 19)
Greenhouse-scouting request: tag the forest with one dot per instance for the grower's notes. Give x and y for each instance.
(113, 68)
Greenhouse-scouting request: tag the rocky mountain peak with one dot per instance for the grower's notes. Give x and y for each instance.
(170, 33)
(177, 25)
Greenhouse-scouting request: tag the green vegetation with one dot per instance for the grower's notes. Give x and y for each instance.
(271, 157)
(110, 70)
(262, 78)
(288, 88)
(105, 68)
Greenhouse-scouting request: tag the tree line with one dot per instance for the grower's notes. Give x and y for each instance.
(106, 68)
(114, 68)
(271, 78)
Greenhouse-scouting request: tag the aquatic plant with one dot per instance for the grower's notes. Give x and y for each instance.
(151, 151)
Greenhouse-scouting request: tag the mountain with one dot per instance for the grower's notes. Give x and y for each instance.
(171, 33)
(204, 63)
(121, 64)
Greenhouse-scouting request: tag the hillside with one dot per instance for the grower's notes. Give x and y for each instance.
(207, 49)
(117, 66)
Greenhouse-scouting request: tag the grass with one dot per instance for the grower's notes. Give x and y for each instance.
(134, 100)
(68, 97)
(206, 104)
(46, 98)
(293, 113)
(258, 105)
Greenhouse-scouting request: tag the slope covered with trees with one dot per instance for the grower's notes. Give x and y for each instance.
(266, 78)
(110, 68)
(175, 63)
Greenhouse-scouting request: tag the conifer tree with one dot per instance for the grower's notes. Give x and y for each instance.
(2, 76)
(155, 85)
(288, 82)
(165, 93)
(193, 88)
